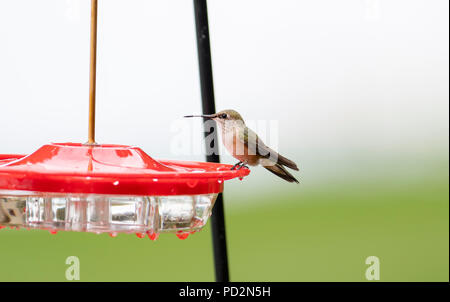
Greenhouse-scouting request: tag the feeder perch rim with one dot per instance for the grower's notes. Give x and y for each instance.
(114, 169)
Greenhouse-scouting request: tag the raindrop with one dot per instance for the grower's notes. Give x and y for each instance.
(192, 183)
(182, 235)
(152, 236)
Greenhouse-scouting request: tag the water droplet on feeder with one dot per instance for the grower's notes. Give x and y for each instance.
(53, 232)
(140, 235)
(152, 236)
(192, 183)
(116, 183)
(113, 234)
(220, 181)
(182, 235)
(241, 178)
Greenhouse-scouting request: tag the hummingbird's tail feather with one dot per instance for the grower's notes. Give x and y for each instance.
(286, 162)
(280, 171)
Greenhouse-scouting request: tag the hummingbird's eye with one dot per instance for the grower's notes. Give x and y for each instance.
(224, 115)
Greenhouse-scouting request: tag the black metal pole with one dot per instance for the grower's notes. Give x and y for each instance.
(209, 107)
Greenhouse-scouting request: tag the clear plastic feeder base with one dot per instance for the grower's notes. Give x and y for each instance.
(113, 214)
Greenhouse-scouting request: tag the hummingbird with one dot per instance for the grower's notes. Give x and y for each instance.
(245, 145)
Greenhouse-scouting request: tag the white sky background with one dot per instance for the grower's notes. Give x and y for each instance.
(344, 79)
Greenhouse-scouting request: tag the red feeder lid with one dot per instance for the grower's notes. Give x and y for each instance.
(110, 169)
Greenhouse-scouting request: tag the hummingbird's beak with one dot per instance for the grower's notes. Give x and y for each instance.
(208, 116)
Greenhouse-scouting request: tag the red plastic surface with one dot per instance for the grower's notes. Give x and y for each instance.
(6, 158)
(110, 169)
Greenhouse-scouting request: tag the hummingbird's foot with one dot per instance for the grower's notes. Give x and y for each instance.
(242, 165)
(238, 164)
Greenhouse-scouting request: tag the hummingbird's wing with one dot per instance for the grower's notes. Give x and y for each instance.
(252, 142)
(256, 146)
